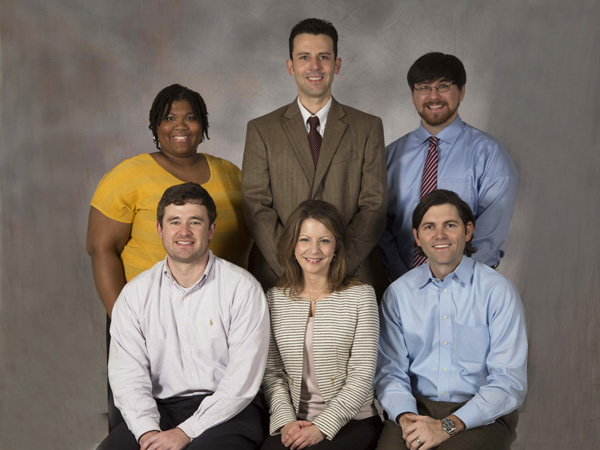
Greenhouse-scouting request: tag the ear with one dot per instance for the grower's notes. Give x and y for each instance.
(211, 232)
(416, 235)
(290, 66)
(159, 229)
(469, 228)
(338, 65)
(462, 94)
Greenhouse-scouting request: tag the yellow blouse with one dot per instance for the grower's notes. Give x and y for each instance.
(130, 193)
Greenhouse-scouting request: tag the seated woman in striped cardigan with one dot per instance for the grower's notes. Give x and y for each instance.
(324, 336)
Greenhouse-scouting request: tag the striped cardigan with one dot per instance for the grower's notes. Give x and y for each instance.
(346, 334)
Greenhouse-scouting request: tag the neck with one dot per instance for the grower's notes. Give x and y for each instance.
(314, 104)
(314, 283)
(187, 274)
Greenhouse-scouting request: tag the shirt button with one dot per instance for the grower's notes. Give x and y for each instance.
(445, 343)
(443, 393)
(445, 290)
(445, 317)
(192, 375)
(444, 369)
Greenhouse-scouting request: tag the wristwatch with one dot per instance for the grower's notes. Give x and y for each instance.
(449, 426)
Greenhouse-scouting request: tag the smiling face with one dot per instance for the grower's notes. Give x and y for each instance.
(314, 248)
(437, 109)
(186, 233)
(442, 237)
(180, 132)
(313, 66)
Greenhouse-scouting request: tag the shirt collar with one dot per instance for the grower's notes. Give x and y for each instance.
(464, 272)
(321, 114)
(448, 135)
(209, 266)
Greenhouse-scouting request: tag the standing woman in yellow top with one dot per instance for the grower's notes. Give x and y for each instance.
(122, 238)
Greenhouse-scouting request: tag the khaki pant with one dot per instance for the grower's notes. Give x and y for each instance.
(496, 436)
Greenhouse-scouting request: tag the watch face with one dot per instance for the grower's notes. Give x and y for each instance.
(449, 426)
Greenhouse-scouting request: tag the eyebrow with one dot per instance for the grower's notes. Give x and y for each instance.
(308, 53)
(443, 223)
(179, 218)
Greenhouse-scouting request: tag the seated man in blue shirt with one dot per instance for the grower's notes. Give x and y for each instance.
(463, 159)
(452, 367)
(189, 344)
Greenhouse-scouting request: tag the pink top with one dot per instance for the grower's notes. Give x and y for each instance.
(311, 402)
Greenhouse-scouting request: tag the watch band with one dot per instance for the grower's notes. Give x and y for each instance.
(449, 426)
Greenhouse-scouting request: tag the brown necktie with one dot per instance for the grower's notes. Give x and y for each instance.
(428, 184)
(314, 138)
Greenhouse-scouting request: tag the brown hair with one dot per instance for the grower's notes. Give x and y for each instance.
(189, 192)
(328, 215)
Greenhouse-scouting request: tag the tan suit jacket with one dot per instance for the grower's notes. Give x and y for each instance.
(278, 173)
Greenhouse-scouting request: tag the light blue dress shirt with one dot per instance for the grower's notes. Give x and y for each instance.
(471, 163)
(456, 340)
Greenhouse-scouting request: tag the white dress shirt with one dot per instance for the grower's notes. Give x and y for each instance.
(169, 341)
(321, 114)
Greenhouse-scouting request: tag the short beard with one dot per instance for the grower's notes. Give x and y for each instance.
(439, 121)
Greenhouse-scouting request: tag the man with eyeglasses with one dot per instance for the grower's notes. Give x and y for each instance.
(445, 153)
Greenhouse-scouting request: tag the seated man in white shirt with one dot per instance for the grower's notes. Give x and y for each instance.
(452, 366)
(190, 338)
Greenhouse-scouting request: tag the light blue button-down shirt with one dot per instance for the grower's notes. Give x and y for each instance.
(471, 163)
(456, 340)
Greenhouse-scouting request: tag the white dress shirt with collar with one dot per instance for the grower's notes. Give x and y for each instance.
(321, 114)
(169, 341)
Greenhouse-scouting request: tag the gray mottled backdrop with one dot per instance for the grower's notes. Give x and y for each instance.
(76, 82)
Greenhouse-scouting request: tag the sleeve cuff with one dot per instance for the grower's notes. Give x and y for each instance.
(469, 414)
(144, 425)
(409, 406)
(192, 427)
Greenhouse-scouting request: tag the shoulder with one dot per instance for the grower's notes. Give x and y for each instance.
(277, 296)
(402, 144)
(359, 293)
(127, 176)
(221, 165)
(353, 113)
(406, 285)
(482, 141)
(493, 285)
(232, 275)
(137, 291)
(135, 163)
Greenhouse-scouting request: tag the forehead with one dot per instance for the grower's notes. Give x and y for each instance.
(180, 106)
(320, 43)
(314, 226)
(441, 213)
(433, 82)
(186, 210)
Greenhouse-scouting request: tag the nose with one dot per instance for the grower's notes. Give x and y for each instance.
(316, 64)
(181, 124)
(434, 93)
(439, 233)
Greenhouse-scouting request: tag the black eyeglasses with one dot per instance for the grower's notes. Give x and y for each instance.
(426, 90)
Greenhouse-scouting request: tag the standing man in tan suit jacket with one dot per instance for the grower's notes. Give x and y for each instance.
(280, 170)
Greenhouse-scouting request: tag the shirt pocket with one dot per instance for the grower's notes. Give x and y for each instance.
(471, 344)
